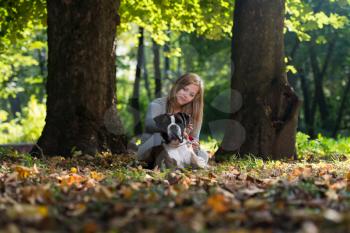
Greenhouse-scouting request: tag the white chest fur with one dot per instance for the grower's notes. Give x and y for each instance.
(182, 154)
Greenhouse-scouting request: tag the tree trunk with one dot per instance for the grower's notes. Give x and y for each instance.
(42, 61)
(135, 100)
(292, 79)
(270, 108)
(157, 72)
(179, 65)
(166, 49)
(145, 74)
(319, 97)
(81, 85)
(309, 119)
(341, 108)
(15, 104)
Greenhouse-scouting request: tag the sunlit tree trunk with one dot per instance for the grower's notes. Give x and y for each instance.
(269, 111)
(81, 85)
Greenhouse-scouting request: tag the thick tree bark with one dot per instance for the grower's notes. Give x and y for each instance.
(269, 113)
(135, 100)
(81, 85)
(157, 72)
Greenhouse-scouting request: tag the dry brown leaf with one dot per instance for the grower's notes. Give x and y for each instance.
(218, 203)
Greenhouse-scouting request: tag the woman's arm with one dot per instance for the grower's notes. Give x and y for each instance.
(196, 131)
(154, 109)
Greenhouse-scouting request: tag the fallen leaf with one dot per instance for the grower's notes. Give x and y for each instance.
(332, 195)
(218, 203)
(27, 212)
(97, 175)
(252, 190)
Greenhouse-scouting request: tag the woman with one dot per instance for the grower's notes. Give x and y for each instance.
(186, 95)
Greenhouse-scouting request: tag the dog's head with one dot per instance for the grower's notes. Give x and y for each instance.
(172, 126)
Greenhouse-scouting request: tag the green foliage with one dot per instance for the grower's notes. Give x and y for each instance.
(301, 18)
(26, 127)
(212, 19)
(22, 72)
(9, 67)
(19, 17)
(322, 146)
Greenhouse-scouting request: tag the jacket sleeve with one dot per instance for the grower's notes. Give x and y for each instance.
(196, 131)
(154, 109)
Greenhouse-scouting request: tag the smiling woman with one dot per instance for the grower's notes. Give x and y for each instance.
(186, 96)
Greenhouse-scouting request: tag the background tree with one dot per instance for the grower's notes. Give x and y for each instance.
(81, 101)
(270, 107)
(318, 51)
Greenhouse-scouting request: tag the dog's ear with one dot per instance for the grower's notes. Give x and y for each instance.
(185, 118)
(162, 121)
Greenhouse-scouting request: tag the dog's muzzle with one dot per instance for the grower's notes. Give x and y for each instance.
(174, 130)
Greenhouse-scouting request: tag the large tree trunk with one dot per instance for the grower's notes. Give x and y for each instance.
(135, 100)
(157, 72)
(81, 85)
(269, 111)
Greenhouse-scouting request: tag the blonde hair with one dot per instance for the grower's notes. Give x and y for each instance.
(195, 107)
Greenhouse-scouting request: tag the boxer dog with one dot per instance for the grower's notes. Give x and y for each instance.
(175, 150)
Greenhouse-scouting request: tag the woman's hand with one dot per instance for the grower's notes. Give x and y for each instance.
(189, 128)
(195, 144)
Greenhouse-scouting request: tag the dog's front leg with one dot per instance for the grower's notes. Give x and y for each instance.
(197, 161)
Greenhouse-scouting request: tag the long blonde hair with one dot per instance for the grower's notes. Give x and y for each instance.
(195, 107)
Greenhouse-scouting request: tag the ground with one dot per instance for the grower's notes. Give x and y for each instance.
(113, 193)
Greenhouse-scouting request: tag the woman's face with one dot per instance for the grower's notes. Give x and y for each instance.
(186, 94)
